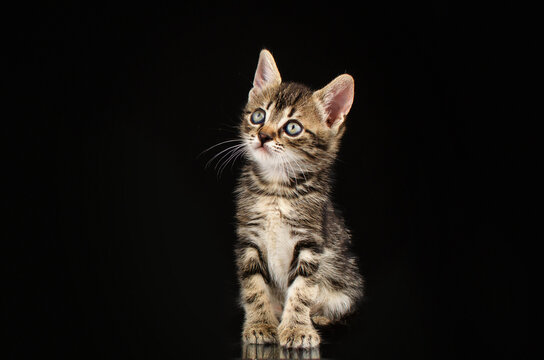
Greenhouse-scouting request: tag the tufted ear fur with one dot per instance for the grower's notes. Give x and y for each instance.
(336, 99)
(267, 73)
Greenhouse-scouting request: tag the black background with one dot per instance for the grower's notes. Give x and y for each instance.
(122, 240)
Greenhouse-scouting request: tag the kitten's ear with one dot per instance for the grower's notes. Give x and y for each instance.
(267, 73)
(336, 99)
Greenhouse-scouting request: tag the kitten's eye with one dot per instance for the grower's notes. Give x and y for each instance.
(258, 116)
(293, 128)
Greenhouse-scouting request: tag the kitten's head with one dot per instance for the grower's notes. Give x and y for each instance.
(290, 130)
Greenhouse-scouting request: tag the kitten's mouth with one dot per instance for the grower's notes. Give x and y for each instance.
(262, 152)
(261, 149)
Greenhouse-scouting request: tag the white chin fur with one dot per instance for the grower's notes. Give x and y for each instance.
(272, 167)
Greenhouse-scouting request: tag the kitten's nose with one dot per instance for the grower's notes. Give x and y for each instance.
(264, 137)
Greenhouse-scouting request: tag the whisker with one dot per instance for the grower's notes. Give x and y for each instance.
(291, 157)
(286, 161)
(234, 155)
(230, 148)
(221, 143)
(241, 153)
(227, 154)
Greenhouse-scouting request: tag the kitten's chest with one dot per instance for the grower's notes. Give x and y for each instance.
(276, 239)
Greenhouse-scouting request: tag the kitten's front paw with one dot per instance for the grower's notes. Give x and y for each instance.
(260, 333)
(303, 336)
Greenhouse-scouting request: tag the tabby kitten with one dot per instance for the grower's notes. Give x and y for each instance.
(294, 265)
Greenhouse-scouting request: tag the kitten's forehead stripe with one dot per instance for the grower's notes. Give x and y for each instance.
(292, 112)
(289, 94)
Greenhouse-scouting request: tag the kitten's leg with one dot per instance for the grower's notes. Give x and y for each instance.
(296, 329)
(260, 326)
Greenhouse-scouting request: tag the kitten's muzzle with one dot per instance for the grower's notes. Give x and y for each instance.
(264, 137)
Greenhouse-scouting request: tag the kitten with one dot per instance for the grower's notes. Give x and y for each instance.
(292, 255)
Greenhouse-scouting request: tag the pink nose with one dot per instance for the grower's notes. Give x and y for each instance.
(264, 137)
